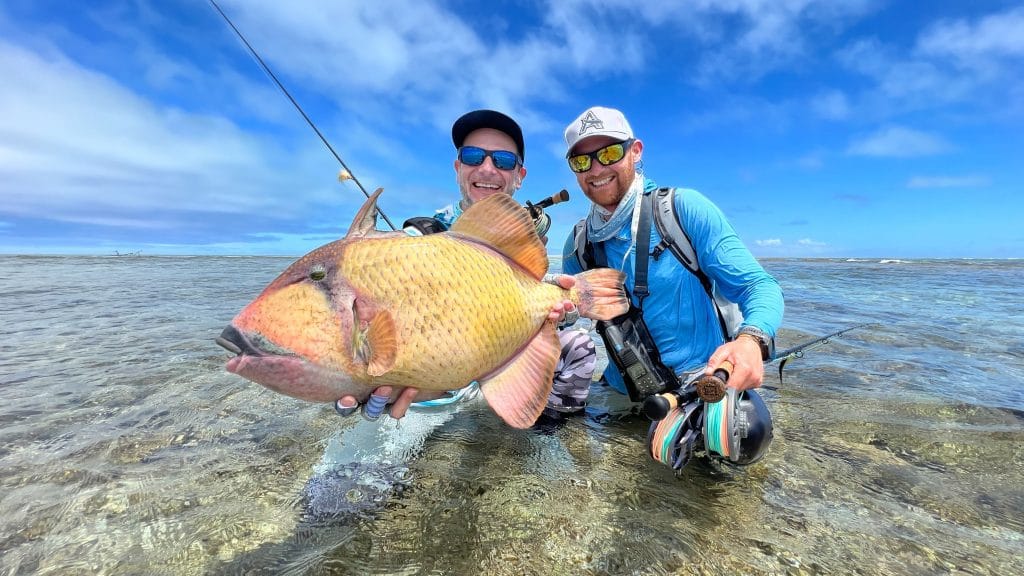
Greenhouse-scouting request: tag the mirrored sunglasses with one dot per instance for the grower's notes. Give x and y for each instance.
(503, 159)
(606, 156)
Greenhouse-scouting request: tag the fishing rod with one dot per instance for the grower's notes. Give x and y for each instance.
(537, 209)
(798, 350)
(347, 173)
(712, 388)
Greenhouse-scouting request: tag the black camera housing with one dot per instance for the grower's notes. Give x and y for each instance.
(632, 350)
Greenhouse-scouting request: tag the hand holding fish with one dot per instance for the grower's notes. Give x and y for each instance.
(347, 405)
(563, 312)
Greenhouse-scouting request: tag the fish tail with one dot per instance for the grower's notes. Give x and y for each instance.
(599, 294)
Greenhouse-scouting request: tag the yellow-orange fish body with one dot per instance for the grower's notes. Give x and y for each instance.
(432, 312)
(459, 308)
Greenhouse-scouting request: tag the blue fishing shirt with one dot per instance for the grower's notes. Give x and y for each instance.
(678, 312)
(449, 214)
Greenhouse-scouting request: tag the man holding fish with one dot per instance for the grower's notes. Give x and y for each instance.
(459, 302)
(490, 159)
(605, 157)
(467, 304)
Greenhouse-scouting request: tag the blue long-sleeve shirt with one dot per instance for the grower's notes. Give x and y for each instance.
(680, 316)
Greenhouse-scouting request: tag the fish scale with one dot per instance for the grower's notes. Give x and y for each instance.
(477, 305)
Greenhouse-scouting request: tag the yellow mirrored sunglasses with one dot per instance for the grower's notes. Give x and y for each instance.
(607, 156)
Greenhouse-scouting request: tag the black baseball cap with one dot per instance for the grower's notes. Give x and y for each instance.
(477, 119)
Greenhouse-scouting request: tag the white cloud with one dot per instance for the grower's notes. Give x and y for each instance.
(993, 36)
(89, 146)
(393, 51)
(948, 182)
(899, 142)
(75, 142)
(769, 242)
(973, 65)
(809, 243)
(902, 84)
(391, 60)
(79, 142)
(89, 139)
(739, 40)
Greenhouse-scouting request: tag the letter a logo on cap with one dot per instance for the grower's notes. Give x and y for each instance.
(590, 120)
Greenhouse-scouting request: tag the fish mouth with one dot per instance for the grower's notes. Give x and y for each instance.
(251, 350)
(258, 359)
(232, 340)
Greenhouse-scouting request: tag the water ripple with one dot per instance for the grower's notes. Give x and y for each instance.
(126, 449)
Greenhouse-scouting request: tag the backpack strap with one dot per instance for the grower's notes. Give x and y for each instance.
(672, 233)
(669, 228)
(582, 248)
(424, 225)
(675, 238)
(587, 256)
(643, 249)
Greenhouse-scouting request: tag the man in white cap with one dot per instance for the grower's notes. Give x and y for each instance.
(677, 307)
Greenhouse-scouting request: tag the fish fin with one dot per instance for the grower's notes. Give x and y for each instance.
(383, 344)
(374, 342)
(519, 391)
(501, 223)
(599, 294)
(365, 222)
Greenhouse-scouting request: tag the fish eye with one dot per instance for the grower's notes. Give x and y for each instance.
(317, 272)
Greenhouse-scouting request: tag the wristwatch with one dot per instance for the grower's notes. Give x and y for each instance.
(764, 341)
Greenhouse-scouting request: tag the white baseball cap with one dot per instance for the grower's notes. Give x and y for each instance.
(597, 121)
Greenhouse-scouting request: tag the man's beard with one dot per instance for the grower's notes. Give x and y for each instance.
(465, 186)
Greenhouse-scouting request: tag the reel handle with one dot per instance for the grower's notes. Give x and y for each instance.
(657, 406)
(537, 208)
(711, 389)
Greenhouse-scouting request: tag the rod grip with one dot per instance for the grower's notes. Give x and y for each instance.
(711, 388)
(556, 198)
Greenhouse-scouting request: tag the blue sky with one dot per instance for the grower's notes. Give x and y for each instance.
(823, 128)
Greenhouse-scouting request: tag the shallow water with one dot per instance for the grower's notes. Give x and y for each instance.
(125, 448)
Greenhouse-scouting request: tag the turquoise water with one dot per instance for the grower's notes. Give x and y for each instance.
(126, 449)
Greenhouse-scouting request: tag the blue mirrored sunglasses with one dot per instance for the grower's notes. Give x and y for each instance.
(503, 159)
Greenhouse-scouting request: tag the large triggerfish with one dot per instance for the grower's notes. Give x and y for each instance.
(433, 312)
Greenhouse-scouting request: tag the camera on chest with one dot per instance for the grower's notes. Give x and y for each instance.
(632, 350)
